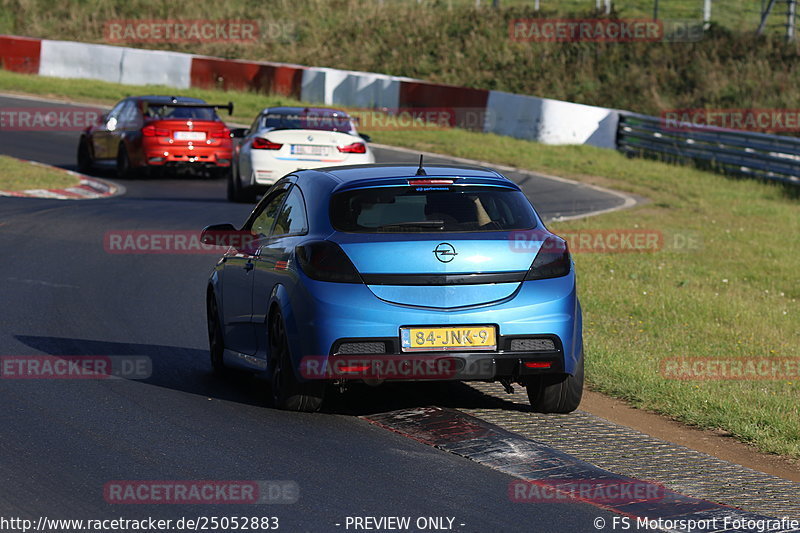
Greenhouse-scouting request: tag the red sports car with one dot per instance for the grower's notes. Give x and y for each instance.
(144, 134)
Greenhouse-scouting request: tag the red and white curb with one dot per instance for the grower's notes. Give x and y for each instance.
(87, 189)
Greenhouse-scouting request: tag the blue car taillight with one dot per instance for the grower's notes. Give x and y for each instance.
(552, 260)
(326, 261)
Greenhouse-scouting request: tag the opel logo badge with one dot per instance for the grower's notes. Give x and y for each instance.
(445, 252)
(310, 138)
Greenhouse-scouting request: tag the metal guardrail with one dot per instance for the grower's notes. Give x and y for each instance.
(759, 155)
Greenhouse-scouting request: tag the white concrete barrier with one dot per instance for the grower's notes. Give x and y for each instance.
(64, 59)
(156, 67)
(350, 88)
(525, 117)
(550, 121)
(312, 89)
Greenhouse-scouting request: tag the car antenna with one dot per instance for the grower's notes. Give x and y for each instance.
(420, 170)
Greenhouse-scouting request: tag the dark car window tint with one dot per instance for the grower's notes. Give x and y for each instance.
(322, 121)
(129, 116)
(112, 119)
(254, 126)
(168, 112)
(117, 109)
(431, 209)
(292, 218)
(263, 221)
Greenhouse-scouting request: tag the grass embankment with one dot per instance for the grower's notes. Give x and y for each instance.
(246, 105)
(734, 295)
(455, 42)
(17, 175)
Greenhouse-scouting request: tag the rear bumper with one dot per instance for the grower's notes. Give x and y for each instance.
(199, 155)
(438, 366)
(331, 312)
(269, 167)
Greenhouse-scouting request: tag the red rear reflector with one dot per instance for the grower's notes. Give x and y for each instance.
(355, 148)
(281, 265)
(538, 364)
(353, 368)
(263, 144)
(430, 182)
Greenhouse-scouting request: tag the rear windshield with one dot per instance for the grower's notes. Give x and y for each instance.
(431, 209)
(167, 112)
(325, 122)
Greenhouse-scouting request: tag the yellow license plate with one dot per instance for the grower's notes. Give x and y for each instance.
(461, 338)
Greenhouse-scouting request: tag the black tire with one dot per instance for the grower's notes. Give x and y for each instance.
(236, 193)
(556, 393)
(231, 192)
(287, 392)
(216, 344)
(220, 173)
(85, 161)
(124, 169)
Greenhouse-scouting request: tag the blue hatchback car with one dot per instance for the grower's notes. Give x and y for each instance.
(391, 272)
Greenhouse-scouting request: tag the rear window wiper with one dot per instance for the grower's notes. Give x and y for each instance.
(420, 224)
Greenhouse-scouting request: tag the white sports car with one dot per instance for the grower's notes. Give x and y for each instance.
(284, 139)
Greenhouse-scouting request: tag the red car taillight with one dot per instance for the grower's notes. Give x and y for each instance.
(552, 260)
(224, 133)
(355, 148)
(263, 144)
(430, 182)
(152, 131)
(326, 261)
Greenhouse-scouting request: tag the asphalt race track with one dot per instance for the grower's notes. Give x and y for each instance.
(63, 440)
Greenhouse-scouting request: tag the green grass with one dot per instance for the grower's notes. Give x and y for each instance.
(17, 175)
(734, 296)
(739, 15)
(469, 46)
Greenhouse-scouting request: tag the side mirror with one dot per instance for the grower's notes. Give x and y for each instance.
(366, 137)
(227, 235)
(238, 133)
